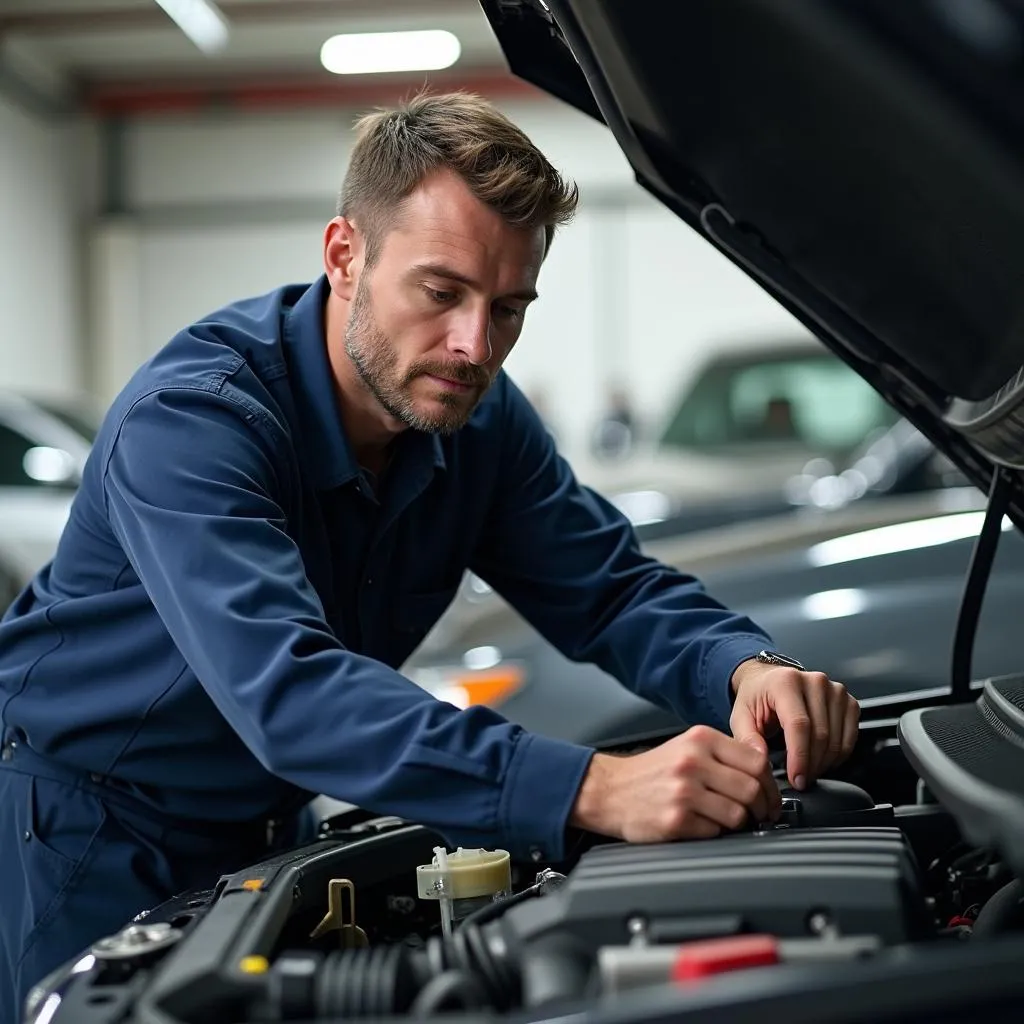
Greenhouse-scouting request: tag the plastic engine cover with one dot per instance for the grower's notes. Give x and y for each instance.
(789, 883)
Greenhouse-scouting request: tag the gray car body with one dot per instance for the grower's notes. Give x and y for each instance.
(877, 609)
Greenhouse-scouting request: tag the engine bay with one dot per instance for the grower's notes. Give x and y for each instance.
(880, 891)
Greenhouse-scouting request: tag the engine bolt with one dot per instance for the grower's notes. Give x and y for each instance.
(637, 928)
(819, 923)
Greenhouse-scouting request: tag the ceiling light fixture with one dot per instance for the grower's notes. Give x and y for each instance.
(368, 53)
(897, 537)
(201, 20)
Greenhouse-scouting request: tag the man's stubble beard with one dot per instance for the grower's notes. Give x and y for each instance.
(376, 361)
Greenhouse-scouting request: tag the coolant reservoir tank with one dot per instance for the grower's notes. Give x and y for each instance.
(464, 880)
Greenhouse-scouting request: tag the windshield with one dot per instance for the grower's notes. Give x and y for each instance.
(806, 400)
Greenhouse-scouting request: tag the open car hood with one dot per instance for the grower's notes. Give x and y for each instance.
(862, 159)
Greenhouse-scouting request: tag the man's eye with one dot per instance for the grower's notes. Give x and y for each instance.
(509, 312)
(440, 296)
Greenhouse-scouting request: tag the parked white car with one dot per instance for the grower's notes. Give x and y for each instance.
(748, 421)
(44, 443)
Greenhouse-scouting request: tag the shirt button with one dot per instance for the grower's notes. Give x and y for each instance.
(536, 853)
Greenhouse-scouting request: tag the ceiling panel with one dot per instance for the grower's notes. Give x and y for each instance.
(94, 45)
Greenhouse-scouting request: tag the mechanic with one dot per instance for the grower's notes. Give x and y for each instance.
(279, 505)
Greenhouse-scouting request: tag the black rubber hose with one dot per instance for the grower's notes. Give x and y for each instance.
(394, 980)
(452, 990)
(468, 951)
(376, 982)
(492, 910)
(501, 974)
(1002, 913)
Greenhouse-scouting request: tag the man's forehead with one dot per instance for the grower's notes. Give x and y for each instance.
(444, 238)
(442, 213)
(443, 246)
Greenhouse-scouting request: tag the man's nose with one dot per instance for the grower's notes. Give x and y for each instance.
(471, 339)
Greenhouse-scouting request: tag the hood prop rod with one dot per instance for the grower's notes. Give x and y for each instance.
(974, 586)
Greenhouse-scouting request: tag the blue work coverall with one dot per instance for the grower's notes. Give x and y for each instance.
(216, 638)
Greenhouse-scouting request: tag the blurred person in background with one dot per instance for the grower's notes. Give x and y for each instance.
(279, 505)
(778, 423)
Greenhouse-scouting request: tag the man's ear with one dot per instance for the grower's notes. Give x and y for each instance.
(344, 253)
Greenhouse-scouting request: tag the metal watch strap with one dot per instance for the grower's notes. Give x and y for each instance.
(774, 658)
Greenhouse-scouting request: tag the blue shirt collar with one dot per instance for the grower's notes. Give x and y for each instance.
(327, 453)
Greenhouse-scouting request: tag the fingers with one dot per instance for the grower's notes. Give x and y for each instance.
(725, 813)
(715, 777)
(703, 781)
(815, 688)
(838, 702)
(795, 719)
(744, 727)
(843, 724)
(750, 756)
(820, 721)
(750, 761)
(749, 793)
(692, 811)
(697, 826)
(744, 755)
(769, 786)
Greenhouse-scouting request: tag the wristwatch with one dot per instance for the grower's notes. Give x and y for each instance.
(774, 658)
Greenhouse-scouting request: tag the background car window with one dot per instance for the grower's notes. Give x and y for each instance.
(810, 402)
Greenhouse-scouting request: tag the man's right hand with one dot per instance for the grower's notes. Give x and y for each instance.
(691, 787)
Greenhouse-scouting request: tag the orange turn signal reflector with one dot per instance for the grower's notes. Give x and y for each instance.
(253, 884)
(491, 687)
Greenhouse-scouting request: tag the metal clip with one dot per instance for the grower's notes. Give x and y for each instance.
(351, 935)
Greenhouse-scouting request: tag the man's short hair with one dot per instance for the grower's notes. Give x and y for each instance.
(397, 148)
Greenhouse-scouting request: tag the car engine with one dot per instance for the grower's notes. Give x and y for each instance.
(377, 920)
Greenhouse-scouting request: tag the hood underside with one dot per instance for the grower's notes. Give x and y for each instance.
(862, 159)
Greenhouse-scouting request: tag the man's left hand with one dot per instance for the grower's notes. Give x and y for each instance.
(817, 716)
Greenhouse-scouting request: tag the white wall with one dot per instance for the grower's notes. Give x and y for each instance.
(233, 205)
(41, 188)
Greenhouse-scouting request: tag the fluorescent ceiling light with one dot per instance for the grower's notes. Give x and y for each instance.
(368, 53)
(201, 20)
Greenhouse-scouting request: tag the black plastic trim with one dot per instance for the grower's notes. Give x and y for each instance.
(687, 199)
(989, 817)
